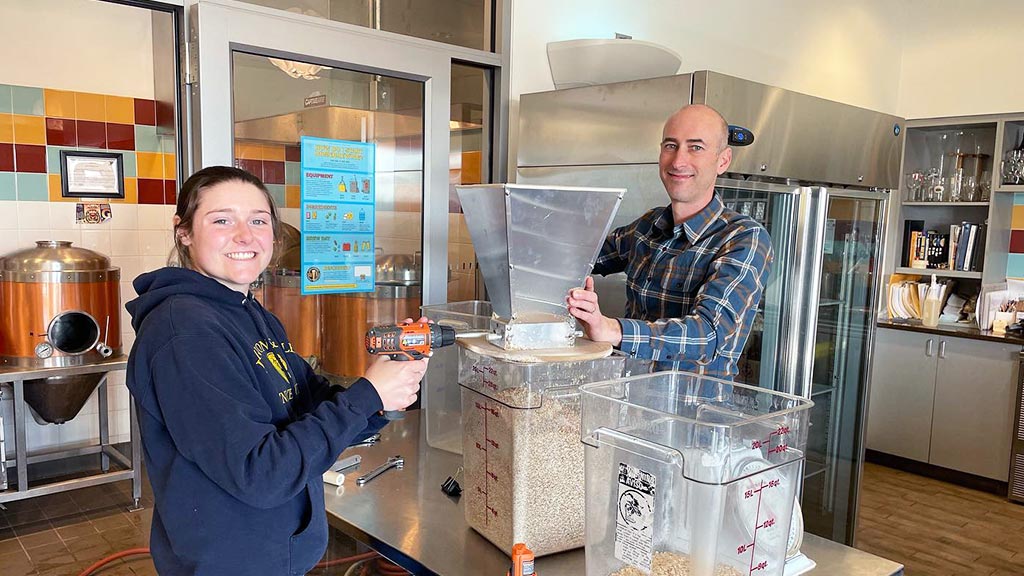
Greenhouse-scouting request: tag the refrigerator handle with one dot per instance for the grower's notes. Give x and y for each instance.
(928, 348)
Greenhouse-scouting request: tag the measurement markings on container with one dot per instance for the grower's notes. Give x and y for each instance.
(485, 447)
(778, 432)
(634, 520)
(758, 524)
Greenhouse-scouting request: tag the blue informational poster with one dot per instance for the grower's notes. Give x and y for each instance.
(338, 216)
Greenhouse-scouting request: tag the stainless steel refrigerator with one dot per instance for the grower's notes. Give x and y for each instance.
(818, 176)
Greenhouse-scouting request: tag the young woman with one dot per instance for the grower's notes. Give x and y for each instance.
(236, 427)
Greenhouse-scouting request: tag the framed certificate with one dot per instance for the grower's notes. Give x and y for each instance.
(89, 174)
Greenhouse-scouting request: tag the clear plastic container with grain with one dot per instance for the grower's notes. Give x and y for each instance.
(442, 398)
(522, 454)
(690, 475)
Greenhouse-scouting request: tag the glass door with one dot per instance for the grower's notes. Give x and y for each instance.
(813, 331)
(850, 255)
(278, 102)
(775, 207)
(252, 67)
(261, 80)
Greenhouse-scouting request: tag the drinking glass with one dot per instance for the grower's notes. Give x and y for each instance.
(915, 186)
(936, 187)
(985, 186)
(969, 188)
(956, 182)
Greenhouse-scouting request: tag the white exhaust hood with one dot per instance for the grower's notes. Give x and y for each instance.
(576, 63)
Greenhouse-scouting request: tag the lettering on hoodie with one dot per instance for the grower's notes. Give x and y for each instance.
(270, 355)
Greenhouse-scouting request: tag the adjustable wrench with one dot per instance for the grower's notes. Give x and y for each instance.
(393, 462)
(369, 441)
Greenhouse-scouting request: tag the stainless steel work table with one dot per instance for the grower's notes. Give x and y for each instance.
(405, 517)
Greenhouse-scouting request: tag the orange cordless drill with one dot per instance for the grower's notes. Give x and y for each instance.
(410, 341)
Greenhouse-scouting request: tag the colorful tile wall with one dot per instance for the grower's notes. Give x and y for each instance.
(1015, 258)
(37, 123)
(276, 164)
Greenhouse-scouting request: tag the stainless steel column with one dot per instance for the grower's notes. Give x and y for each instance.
(20, 439)
(3, 451)
(101, 396)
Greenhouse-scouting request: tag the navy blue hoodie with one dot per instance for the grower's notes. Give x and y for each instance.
(237, 430)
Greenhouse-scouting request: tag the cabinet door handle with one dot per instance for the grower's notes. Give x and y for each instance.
(942, 349)
(928, 348)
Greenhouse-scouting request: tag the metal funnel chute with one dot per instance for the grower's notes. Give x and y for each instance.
(535, 243)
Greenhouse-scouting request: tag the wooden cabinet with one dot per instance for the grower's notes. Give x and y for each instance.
(943, 400)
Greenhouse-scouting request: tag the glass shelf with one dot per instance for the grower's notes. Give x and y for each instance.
(954, 204)
(820, 389)
(941, 273)
(813, 468)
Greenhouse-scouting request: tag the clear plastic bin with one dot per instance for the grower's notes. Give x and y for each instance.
(442, 400)
(690, 475)
(522, 458)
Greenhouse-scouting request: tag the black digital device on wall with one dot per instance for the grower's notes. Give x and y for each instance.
(740, 136)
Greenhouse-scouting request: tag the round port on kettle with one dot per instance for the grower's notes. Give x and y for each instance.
(73, 332)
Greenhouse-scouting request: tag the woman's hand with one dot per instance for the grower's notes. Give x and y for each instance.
(396, 382)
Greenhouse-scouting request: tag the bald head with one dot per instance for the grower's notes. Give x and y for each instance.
(705, 115)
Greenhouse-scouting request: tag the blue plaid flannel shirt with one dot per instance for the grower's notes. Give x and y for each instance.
(691, 289)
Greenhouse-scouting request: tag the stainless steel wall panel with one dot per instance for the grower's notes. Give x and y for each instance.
(608, 124)
(805, 138)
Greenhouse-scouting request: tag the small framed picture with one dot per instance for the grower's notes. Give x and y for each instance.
(89, 174)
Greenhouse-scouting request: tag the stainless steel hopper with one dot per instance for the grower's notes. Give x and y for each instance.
(535, 243)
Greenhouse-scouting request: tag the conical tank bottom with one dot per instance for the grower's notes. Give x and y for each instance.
(535, 243)
(59, 398)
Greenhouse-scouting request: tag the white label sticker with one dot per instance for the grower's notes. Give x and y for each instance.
(634, 531)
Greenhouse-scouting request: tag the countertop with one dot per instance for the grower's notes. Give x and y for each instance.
(404, 516)
(970, 331)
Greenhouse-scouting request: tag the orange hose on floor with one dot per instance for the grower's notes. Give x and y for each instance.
(111, 558)
(136, 551)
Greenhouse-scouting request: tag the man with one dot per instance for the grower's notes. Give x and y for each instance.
(695, 270)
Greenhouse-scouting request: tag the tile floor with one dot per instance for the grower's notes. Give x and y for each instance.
(67, 532)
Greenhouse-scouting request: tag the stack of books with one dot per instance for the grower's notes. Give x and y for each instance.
(965, 242)
(930, 249)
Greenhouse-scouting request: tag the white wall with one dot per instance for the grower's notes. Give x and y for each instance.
(848, 52)
(916, 59)
(962, 58)
(69, 45)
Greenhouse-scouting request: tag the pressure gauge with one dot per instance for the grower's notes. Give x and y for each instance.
(44, 350)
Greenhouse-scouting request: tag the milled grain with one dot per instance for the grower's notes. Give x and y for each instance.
(671, 564)
(524, 470)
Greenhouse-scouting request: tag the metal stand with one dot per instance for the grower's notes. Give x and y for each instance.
(15, 378)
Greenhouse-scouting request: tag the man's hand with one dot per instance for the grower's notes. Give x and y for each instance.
(583, 305)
